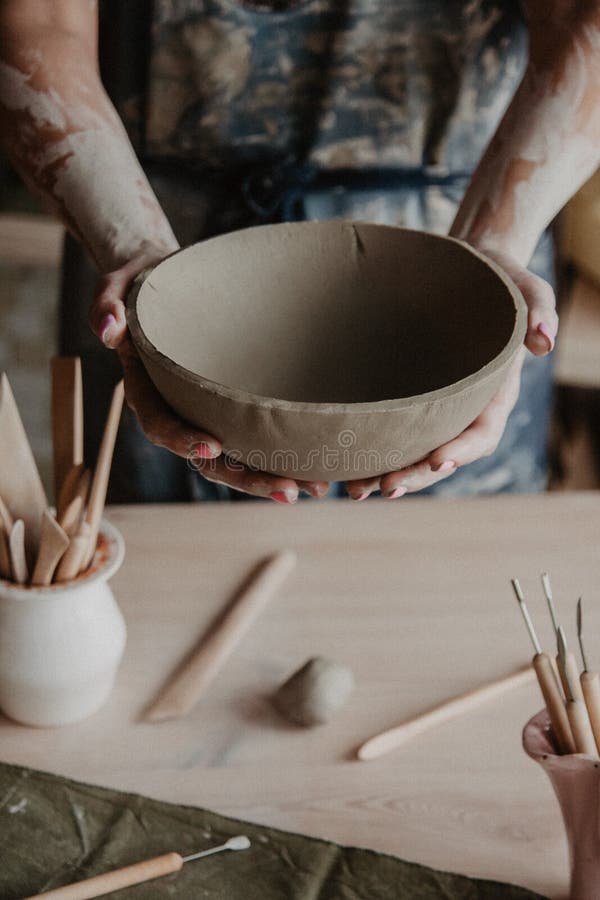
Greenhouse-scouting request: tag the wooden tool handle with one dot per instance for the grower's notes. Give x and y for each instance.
(569, 674)
(53, 543)
(590, 685)
(67, 418)
(16, 548)
(5, 567)
(186, 688)
(68, 489)
(5, 517)
(451, 709)
(555, 704)
(102, 472)
(581, 728)
(72, 560)
(114, 881)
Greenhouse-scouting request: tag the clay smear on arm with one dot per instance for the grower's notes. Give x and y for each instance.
(548, 142)
(64, 136)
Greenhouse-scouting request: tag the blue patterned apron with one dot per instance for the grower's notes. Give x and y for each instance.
(251, 112)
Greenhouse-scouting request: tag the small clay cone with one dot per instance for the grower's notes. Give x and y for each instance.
(313, 694)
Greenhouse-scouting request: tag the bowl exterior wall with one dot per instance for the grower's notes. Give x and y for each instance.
(328, 446)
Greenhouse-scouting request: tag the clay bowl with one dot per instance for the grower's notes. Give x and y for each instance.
(327, 350)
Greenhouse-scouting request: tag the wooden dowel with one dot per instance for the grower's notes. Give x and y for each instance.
(72, 560)
(555, 704)
(581, 728)
(67, 418)
(99, 885)
(590, 685)
(102, 472)
(53, 543)
(185, 689)
(445, 712)
(16, 547)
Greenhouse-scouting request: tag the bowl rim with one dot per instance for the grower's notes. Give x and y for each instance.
(239, 395)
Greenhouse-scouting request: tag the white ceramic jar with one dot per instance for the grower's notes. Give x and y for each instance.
(60, 646)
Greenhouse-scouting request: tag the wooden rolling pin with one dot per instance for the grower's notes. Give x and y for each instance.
(185, 689)
(137, 873)
(445, 712)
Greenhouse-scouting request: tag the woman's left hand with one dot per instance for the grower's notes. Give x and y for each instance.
(483, 435)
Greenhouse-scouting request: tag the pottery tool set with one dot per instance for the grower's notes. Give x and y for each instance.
(40, 545)
(572, 698)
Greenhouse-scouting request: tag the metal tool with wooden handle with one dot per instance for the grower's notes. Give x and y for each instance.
(589, 681)
(567, 667)
(579, 721)
(157, 867)
(20, 483)
(67, 418)
(445, 712)
(185, 689)
(547, 681)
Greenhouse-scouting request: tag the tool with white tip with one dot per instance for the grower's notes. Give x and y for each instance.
(136, 873)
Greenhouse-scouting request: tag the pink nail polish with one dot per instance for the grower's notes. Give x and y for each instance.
(281, 497)
(547, 334)
(359, 496)
(105, 326)
(204, 450)
(446, 466)
(395, 493)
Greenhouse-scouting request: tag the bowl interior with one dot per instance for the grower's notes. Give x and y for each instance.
(330, 312)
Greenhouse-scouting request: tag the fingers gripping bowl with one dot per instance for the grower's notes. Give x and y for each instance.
(327, 350)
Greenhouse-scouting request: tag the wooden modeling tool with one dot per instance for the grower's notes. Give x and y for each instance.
(189, 683)
(5, 567)
(99, 486)
(590, 683)
(71, 562)
(67, 418)
(71, 517)
(137, 873)
(20, 484)
(5, 517)
(16, 548)
(566, 666)
(53, 543)
(68, 489)
(445, 712)
(547, 681)
(581, 728)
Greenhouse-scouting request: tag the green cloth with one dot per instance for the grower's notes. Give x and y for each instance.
(54, 831)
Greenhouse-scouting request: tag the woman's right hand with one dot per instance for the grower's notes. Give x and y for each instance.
(158, 421)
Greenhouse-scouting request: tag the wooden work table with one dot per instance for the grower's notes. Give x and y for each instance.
(414, 596)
